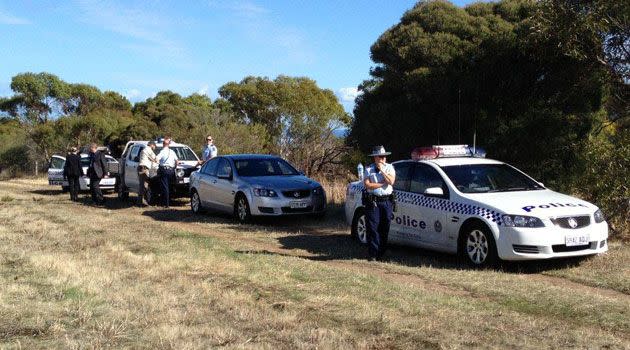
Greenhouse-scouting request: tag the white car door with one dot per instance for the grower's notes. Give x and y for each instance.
(55, 171)
(398, 232)
(428, 209)
(131, 168)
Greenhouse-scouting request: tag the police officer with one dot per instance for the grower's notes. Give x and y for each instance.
(167, 159)
(378, 180)
(209, 150)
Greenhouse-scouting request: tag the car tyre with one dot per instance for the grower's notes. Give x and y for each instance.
(359, 228)
(195, 203)
(477, 246)
(242, 212)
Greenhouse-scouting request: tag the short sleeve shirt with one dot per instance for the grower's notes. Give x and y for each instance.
(209, 152)
(373, 176)
(167, 157)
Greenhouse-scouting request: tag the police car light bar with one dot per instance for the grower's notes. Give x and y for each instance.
(447, 151)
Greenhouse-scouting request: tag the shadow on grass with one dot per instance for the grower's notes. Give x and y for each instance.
(48, 192)
(328, 239)
(324, 239)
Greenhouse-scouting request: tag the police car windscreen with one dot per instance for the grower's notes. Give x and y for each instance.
(263, 167)
(183, 153)
(486, 178)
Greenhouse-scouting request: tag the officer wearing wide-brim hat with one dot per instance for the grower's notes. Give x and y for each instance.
(378, 180)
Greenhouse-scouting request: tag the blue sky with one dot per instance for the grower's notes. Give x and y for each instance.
(138, 48)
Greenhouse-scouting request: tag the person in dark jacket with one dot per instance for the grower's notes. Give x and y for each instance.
(96, 171)
(72, 170)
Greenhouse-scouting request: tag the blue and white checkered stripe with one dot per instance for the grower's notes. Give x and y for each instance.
(444, 205)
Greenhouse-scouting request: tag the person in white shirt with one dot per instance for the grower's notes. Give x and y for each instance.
(168, 160)
(209, 150)
(147, 161)
(378, 181)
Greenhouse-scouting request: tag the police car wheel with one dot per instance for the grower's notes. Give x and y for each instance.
(478, 246)
(359, 229)
(195, 203)
(241, 209)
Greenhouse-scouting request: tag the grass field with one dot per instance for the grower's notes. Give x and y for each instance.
(76, 276)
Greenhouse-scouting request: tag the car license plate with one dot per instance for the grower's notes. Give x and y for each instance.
(108, 182)
(575, 240)
(56, 183)
(298, 205)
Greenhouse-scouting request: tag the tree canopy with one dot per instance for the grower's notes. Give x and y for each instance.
(446, 74)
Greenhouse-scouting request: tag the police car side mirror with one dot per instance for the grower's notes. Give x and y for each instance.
(434, 192)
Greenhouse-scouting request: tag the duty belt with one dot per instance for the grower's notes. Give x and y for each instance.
(376, 198)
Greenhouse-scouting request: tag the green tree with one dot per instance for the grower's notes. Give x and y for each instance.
(446, 74)
(298, 115)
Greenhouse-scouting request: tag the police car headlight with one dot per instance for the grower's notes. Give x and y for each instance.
(522, 221)
(264, 192)
(179, 172)
(599, 216)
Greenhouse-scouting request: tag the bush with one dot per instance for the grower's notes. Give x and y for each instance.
(605, 180)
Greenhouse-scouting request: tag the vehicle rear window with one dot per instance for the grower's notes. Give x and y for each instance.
(57, 163)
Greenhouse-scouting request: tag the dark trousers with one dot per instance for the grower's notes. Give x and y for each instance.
(73, 187)
(95, 189)
(377, 220)
(166, 176)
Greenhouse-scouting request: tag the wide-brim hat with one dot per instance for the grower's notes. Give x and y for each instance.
(379, 151)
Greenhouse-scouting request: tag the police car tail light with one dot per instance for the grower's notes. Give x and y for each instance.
(599, 216)
(522, 221)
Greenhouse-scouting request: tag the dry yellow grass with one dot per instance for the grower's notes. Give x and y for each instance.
(75, 276)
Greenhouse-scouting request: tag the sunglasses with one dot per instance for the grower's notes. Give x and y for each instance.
(208, 139)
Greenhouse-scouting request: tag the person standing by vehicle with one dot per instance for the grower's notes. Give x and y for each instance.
(72, 170)
(209, 151)
(167, 160)
(147, 161)
(96, 171)
(378, 181)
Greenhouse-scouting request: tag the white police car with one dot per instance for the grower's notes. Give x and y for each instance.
(454, 200)
(56, 178)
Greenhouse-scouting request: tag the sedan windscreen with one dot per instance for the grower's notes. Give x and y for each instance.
(263, 167)
(485, 178)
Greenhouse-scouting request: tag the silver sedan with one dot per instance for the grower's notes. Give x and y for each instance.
(247, 185)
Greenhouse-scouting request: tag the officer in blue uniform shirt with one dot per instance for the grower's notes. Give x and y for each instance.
(378, 181)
